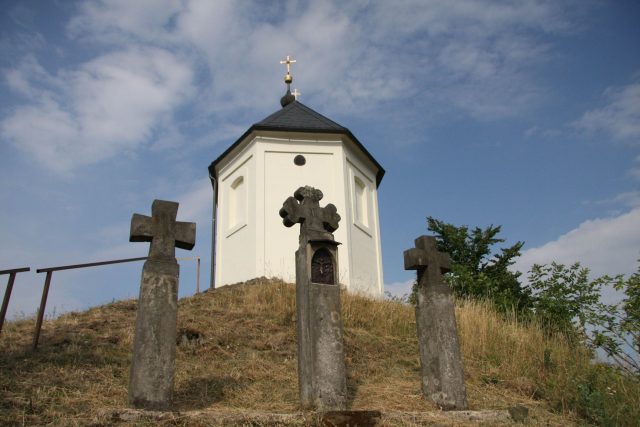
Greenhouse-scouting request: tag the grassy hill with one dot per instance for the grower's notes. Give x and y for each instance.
(237, 354)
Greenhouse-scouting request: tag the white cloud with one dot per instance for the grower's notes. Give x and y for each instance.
(118, 21)
(606, 246)
(476, 18)
(474, 56)
(20, 78)
(469, 56)
(619, 119)
(107, 106)
(628, 198)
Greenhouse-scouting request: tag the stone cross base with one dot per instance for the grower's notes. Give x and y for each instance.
(154, 348)
(321, 367)
(442, 371)
(330, 384)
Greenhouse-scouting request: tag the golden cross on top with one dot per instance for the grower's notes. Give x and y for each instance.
(295, 93)
(288, 61)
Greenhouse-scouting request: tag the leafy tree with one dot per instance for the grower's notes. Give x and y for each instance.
(477, 271)
(564, 297)
(630, 323)
(566, 301)
(621, 336)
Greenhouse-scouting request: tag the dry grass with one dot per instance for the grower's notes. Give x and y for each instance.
(520, 358)
(237, 351)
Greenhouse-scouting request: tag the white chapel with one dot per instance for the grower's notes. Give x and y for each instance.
(292, 148)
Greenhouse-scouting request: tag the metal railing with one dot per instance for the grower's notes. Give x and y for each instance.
(47, 283)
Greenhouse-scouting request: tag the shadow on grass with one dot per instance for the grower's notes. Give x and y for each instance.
(202, 392)
(67, 351)
(353, 379)
(352, 389)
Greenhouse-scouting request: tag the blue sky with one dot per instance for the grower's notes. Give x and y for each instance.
(519, 113)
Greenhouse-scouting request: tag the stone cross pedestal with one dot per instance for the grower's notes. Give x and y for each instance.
(442, 372)
(321, 368)
(154, 346)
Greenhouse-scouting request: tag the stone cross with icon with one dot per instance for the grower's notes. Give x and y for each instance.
(321, 367)
(154, 346)
(440, 359)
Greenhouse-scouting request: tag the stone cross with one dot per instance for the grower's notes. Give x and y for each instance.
(425, 256)
(304, 208)
(440, 359)
(154, 346)
(295, 93)
(321, 367)
(162, 230)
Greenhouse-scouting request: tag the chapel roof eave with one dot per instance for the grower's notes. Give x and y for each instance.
(297, 117)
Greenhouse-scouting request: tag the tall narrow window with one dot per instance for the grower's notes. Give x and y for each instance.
(237, 202)
(361, 202)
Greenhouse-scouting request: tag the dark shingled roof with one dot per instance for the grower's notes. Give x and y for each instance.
(297, 117)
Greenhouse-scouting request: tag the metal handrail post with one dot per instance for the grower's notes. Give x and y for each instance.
(7, 292)
(5, 300)
(197, 258)
(43, 303)
(198, 279)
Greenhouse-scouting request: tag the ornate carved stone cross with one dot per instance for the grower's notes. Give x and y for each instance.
(425, 257)
(304, 209)
(162, 230)
(321, 367)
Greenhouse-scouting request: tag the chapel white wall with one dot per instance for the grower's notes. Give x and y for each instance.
(235, 243)
(363, 227)
(282, 177)
(264, 246)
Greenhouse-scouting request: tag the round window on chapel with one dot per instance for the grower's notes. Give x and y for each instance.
(299, 160)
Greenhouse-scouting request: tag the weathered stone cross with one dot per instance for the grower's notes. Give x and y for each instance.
(304, 208)
(154, 345)
(440, 360)
(425, 256)
(162, 230)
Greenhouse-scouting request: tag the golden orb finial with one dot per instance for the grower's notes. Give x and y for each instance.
(288, 98)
